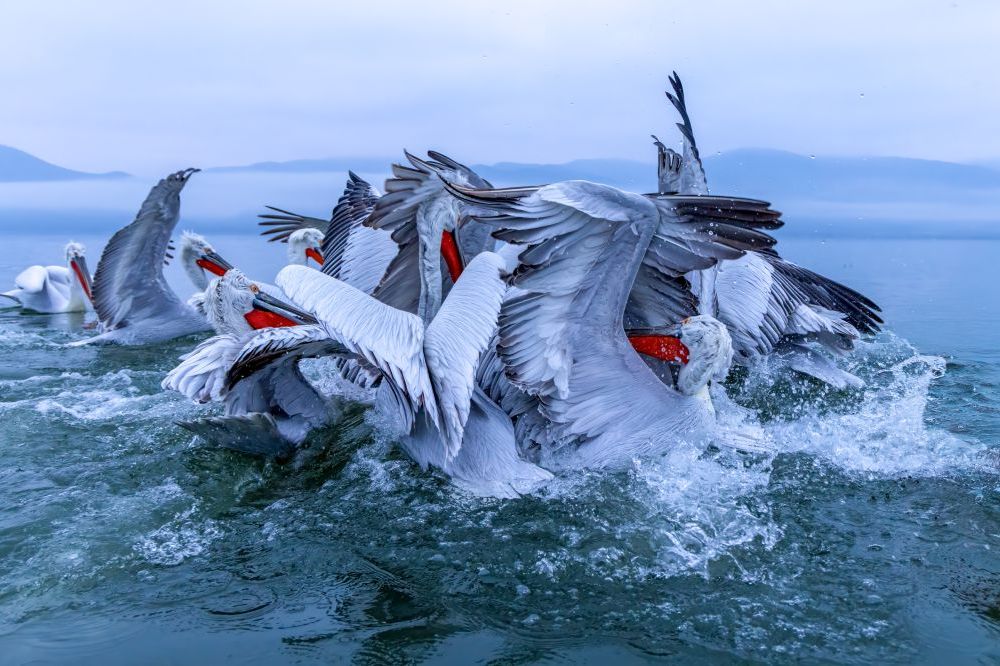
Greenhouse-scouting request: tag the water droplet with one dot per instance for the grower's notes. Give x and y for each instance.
(812, 157)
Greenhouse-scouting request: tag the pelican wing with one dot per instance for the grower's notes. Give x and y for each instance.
(693, 234)
(389, 339)
(352, 252)
(692, 175)
(562, 339)
(265, 377)
(32, 279)
(129, 280)
(416, 210)
(575, 232)
(396, 212)
(274, 344)
(762, 299)
(859, 311)
(280, 224)
(456, 338)
(201, 375)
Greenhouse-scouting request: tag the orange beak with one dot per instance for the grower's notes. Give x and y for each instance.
(663, 347)
(449, 250)
(82, 276)
(259, 319)
(313, 253)
(210, 267)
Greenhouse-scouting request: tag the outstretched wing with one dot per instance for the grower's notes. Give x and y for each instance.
(762, 299)
(396, 213)
(416, 210)
(201, 375)
(129, 282)
(389, 339)
(693, 231)
(456, 338)
(273, 344)
(692, 173)
(280, 224)
(562, 338)
(352, 252)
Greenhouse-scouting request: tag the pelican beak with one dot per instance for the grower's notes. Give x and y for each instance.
(280, 312)
(314, 254)
(452, 255)
(662, 343)
(79, 266)
(213, 263)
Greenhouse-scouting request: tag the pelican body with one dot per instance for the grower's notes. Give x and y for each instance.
(55, 289)
(270, 408)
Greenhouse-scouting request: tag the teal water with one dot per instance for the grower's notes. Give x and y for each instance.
(871, 534)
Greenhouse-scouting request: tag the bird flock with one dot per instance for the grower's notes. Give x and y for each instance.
(500, 335)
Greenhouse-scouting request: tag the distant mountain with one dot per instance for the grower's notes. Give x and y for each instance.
(752, 172)
(823, 196)
(775, 175)
(333, 164)
(626, 174)
(17, 166)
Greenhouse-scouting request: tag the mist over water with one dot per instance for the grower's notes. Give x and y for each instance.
(850, 526)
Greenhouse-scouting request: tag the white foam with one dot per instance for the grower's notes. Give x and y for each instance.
(886, 434)
(178, 540)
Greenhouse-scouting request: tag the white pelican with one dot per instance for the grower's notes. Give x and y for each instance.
(270, 407)
(53, 289)
(562, 339)
(428, 391)
(133, 302)
(199, 259)
(349, 250)
(771, 306)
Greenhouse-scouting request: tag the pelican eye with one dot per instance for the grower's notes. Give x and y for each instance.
(254, 288)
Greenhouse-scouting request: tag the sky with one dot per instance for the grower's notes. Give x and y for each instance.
(144, 87)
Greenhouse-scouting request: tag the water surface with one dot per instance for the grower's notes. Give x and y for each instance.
(870, 535)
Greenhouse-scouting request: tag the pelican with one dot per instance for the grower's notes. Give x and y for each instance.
(133, 302)
(199, 259)
(562, 339)
(771, 306)
(428, 395)
(348, 250)
(270, 408)
(424, 220)
(54, 289)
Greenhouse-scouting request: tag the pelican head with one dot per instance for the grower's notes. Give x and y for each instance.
(197, 257)
(227, 299)
(305, 244)
(236, 305)
(77, 264)
(710, 353)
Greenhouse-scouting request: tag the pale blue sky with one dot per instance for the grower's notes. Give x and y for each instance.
(145, 86)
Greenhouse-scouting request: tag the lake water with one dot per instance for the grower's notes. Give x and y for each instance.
(872, 534)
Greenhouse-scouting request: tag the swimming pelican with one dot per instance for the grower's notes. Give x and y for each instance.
(269, 406)
(53, 289)
(133, 302)
(562, 338)
(771, 306)
(428, 392)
